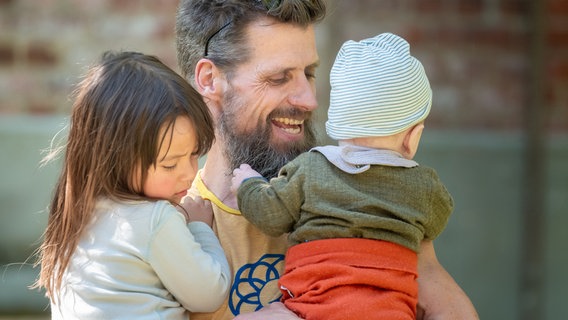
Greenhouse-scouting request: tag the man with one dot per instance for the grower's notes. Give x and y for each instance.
(254, 63)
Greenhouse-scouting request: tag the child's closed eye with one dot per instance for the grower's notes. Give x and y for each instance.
(169, 168)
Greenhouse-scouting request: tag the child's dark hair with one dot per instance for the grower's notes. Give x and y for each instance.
(118, 112)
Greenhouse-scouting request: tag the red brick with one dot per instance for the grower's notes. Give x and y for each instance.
(41, 108)
(415, 36)
(470, 6)
(7, 55)
(165, 29)
(41, 54)
(498, 38)
(162, 5)
(381, 4)
(430, 6)
(557, 38)
(515, 7)
(557, 6)
(126, 6)
(451, 35)
(557, 70)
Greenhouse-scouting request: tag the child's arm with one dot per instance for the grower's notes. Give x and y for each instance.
(196, 209)
(240, 174)
(191, 264)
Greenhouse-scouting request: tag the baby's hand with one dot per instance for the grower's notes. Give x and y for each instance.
(241, 173)
(197, 209)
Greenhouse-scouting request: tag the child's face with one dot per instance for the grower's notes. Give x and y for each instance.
(176, 165)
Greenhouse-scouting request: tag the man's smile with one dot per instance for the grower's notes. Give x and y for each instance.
(289, 125)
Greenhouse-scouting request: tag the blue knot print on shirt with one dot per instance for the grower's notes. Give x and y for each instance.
(255, 283)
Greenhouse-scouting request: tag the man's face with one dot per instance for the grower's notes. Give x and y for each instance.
(267, 108)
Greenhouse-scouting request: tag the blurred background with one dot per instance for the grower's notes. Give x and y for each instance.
(497, 133)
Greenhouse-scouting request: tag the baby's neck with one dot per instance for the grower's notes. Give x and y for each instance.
(393, 143)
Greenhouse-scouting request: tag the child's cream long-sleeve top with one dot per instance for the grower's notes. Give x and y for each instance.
(139, 260)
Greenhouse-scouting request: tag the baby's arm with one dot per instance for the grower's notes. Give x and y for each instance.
(271, 206)
(240, 174)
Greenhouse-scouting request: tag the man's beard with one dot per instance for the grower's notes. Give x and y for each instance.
(255, 148)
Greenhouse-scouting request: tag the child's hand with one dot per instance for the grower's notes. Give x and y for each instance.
(241, 173)
(197, 209)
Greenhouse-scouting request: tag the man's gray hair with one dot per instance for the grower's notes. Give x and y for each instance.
(216, 28)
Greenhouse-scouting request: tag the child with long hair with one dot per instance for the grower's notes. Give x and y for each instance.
(117, 243)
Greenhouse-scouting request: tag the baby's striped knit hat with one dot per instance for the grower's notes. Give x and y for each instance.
(377, 89)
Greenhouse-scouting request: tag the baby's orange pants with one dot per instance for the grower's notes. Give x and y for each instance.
(350, 278)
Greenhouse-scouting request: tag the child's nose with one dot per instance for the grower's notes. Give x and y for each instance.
(191, 169)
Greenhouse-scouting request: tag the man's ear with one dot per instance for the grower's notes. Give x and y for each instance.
(208, 80)
(412, 140)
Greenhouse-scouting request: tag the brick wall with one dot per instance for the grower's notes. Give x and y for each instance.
(476, 52)
(556, 72)
(46, 45)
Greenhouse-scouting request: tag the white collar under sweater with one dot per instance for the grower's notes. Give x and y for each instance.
(355, 159)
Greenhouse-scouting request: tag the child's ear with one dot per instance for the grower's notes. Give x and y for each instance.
(412, 140)
(209, 81)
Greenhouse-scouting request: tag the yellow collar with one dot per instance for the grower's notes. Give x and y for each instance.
(206, 194)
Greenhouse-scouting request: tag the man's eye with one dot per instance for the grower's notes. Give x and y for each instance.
(278, 81)
(280, 78)
(310, 73)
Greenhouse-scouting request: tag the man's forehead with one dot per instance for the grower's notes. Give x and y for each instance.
(283, 44)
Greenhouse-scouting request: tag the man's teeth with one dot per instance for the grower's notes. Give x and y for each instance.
(294, 130)
(294, 125)
(288, 121)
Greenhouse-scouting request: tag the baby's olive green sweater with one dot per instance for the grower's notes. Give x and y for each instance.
(313, 199)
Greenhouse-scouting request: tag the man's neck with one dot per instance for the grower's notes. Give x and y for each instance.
(216, 176)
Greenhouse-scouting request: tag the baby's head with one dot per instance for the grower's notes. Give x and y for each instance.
(377, 89)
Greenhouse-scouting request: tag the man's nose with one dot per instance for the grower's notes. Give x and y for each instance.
(304, 94)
